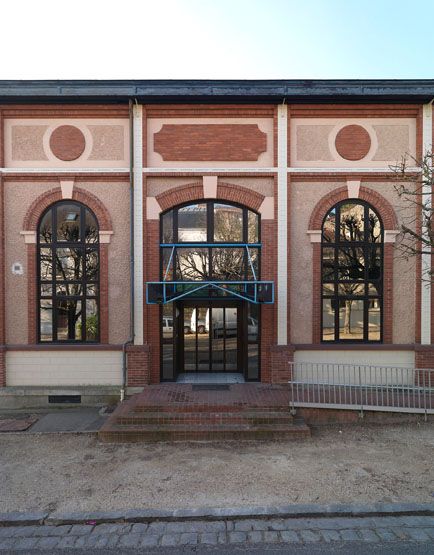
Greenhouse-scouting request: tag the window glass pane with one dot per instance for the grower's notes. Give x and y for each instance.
(46, 320)
(192, 223)
(374, 235)
(192, 264)
(351, 288)
(69, 320)
(253, 321)
(329, 226)
(328, 264)
(46, 290)
(228, 223)
(254, 261)
(68, 223)
(374, 263)
(350, 319)
(167, 322)
(167, 254)
(69, 264)
(91, 320)
(46, 264)
(351, 225)
(92, 265)
(46, 228)
(91, 228)
(253, 361)
(351, 264)
(228, 264)
(328, 320)
(69, 289)
(167, 227)
(167, 361)
(374, 320)
(328, 289)
(252, 227)
(91, 290)
(374, 289)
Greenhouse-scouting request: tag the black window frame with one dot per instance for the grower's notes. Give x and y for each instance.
(54, 297)
(368, 248)
(210, 237)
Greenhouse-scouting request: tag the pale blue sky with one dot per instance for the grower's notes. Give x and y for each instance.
(211, 39)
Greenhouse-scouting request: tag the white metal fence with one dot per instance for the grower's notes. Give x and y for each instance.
(360, 387)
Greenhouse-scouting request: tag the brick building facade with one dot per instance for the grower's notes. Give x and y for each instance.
(273, 182)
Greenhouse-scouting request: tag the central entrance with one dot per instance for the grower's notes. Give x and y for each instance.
(210, 338)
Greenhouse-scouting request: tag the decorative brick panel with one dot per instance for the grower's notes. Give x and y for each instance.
(353, 142)
(424, 358)
(138, 365)
(210, 142)
(67, 143)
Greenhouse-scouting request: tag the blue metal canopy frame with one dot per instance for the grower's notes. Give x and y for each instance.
(253, 291)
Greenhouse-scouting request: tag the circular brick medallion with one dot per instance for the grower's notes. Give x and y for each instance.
(67, 143)
(353, 142)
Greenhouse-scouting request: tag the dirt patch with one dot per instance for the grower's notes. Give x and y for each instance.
(76, 472)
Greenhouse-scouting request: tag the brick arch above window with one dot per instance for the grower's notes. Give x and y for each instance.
(39, 205)
(378, 202)
(225, 191)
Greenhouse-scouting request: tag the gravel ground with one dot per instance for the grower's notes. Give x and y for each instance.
(74, 472)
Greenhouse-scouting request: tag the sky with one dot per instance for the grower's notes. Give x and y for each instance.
(217, 39)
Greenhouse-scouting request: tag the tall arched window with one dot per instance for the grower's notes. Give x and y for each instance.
(68, 274)
(352, 273)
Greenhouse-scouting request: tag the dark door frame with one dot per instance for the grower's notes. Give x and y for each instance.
(242, 330)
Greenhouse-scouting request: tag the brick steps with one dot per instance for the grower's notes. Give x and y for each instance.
(202, 432)
(215, 417)
(177, 412)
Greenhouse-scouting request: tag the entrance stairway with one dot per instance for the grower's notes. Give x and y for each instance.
(188, 412)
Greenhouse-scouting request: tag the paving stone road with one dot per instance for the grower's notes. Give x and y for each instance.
(220, 533)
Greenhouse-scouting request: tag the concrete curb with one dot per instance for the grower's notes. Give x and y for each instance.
(205, 513)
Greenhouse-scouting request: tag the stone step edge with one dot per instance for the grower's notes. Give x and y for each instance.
(226, 513)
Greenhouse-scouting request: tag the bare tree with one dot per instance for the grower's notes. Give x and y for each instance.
(415, 187)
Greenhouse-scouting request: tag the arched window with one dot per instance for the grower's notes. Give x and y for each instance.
(352, 273)
(219, 225)
(68, 274)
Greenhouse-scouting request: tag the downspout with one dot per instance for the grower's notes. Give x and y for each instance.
(131, 335)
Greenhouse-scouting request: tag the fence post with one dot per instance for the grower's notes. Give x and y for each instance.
(361, 415)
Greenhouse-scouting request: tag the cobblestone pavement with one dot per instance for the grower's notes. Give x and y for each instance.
(219, 533)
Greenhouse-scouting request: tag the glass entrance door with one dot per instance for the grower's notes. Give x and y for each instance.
(210, 340)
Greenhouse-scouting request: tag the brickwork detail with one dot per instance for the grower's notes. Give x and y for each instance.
(280, 356)
(138, 370)
(240, 195)
(67, 143)
(180, 195)
(210, 142)
(424, 358)
(353, 142)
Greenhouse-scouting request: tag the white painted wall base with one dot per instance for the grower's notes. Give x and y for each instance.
(57, 368)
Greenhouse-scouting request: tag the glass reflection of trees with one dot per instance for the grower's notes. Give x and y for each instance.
(216, 223)
(68, 272)
(352, 282)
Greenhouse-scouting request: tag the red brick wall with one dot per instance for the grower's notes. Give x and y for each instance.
(210, 142)
(138, 365)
